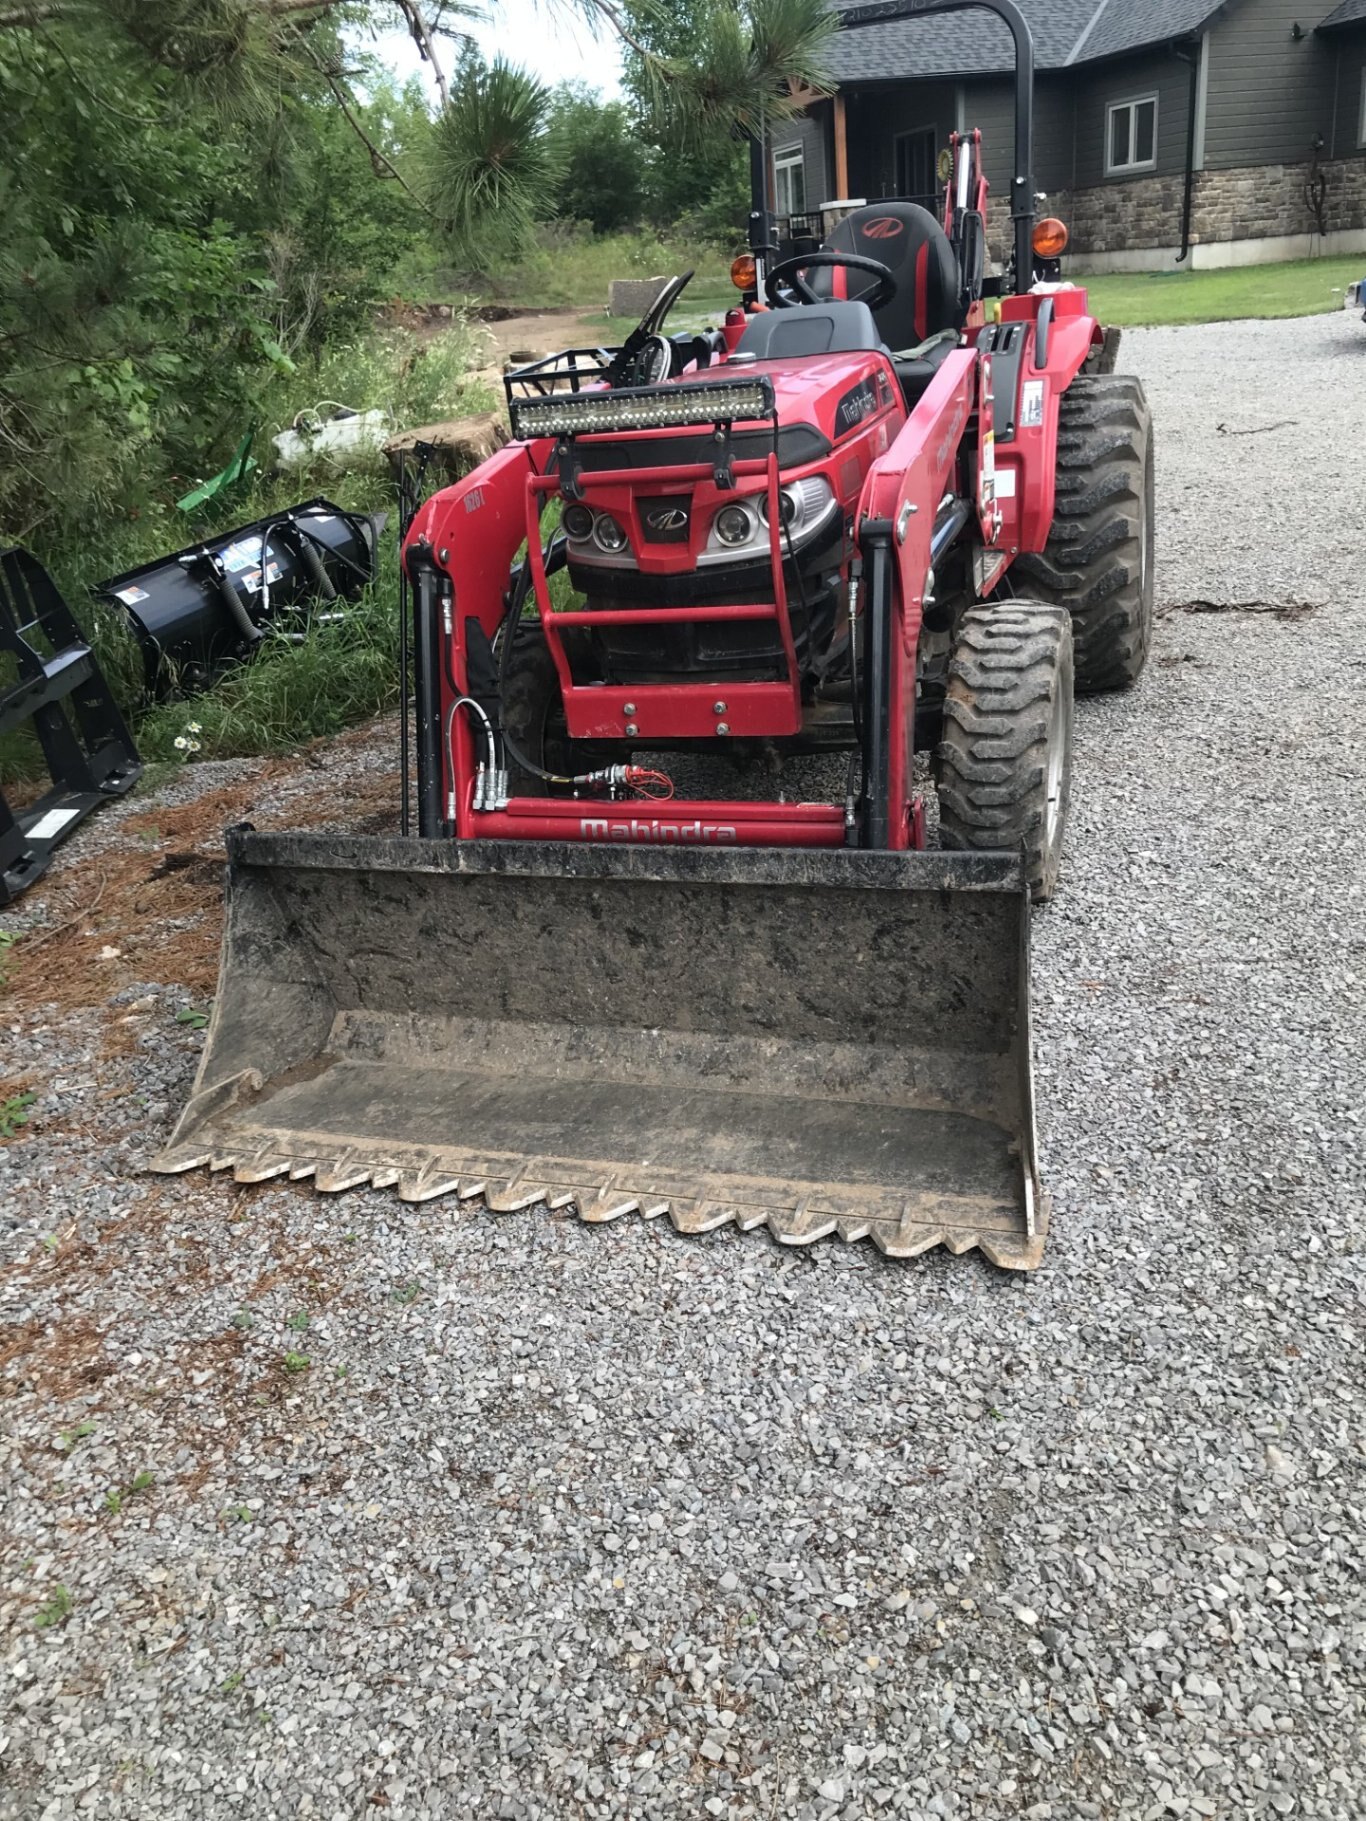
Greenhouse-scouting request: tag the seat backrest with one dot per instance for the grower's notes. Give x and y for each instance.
(915, 249)
(833, 328)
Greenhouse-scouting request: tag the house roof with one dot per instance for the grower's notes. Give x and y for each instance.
(1126, 25)
(1351, 12)
(977, 43)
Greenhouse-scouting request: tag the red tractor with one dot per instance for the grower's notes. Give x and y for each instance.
(889, 508)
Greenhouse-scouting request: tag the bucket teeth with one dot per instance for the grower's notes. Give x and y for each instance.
(597, 1208)
(800, 1222)
(262, 1169)
(703, 1217)
(524, 1190)
(340, 1177)
(176, 1163)
(427, 1185)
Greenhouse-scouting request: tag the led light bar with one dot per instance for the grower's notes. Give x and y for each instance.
(717, 401)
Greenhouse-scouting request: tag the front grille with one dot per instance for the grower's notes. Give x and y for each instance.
(666, 520)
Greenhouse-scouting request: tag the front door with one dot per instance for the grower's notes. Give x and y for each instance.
(915, 173)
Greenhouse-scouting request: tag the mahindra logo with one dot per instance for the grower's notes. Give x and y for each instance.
(659, 834)
(674, 518)
(883, 227)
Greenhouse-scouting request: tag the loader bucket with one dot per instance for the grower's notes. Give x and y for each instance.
(823, 1043)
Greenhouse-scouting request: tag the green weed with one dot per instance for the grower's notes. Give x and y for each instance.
(298, 1321)
(14, 1114)
(406, 1293)
(56, 1611)
(297, 1362)
(117, 1497)
(192, 1016)
(70, 1437)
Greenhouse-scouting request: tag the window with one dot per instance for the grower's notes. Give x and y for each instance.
(789, 181)
(1361, 124)
(1131, 136)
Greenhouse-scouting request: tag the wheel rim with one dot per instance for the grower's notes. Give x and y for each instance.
(1055, 779)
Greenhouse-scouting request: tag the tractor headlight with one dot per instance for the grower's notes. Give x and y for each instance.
(734, 526)
(789, 505)
(741, 529)
(578, 523)
(608, 535)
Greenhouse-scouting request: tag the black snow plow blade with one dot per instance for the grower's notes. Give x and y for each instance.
(822, 1043)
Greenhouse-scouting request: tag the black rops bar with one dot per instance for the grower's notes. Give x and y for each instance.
(881, 12)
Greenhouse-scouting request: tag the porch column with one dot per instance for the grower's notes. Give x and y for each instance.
(841, 151)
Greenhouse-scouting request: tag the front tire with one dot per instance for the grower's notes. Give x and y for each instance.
(533, 717)
(1004, 765)
(1098, 562)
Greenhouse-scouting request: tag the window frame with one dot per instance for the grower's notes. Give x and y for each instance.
(1129, 105)
(1361, 113)
(786, 159)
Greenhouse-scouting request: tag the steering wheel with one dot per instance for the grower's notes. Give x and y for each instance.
(877, 296)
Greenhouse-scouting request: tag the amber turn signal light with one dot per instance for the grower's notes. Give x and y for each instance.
(1050, 238)
(744, 274)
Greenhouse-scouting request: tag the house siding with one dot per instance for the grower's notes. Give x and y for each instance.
(1270, 95)
(811, 132)
(1130, 79)
(991, 107)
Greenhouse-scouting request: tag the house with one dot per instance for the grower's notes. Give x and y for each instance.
(1166, 131)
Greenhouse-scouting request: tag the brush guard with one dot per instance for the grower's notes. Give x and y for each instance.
(819, 1043)
(51, 679)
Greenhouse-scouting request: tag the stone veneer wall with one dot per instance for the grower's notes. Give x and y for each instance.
(1259, 201)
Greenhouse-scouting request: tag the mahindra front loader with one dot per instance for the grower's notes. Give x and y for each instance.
(634, 958)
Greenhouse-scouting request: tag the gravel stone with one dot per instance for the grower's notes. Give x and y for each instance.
(839, 1537)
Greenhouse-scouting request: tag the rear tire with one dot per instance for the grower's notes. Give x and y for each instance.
(1004, 765)
(1098, 562)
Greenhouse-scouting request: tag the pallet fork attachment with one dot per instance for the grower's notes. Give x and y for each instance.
(50, 679)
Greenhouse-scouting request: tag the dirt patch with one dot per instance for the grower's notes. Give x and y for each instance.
(1276, 610)
(539, 332)
(149, 907)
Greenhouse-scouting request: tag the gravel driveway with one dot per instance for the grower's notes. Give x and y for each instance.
(337, 1508)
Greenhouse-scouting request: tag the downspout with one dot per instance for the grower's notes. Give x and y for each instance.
(1188, 205)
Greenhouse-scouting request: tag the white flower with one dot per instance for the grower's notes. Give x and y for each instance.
(193, 727)
(182, 744)
(193, 745)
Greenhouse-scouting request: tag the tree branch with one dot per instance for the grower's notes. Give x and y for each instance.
(377, 158)
(28, 16)
(617, 21)
(422, 37)
(44, 12)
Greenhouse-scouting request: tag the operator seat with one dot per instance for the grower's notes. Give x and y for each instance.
(928, 302)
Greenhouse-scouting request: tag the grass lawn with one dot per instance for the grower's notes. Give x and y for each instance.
(1301, 287)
